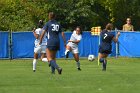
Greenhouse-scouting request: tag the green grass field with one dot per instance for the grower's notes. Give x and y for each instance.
(122, 76)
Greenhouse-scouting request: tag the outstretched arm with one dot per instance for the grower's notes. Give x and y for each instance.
(115, 39)
(35, 35)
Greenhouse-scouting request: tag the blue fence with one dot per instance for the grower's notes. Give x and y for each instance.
(23, 45)
(4, 50)
(129, 44)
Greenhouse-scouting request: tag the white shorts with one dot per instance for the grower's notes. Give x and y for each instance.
(74, 48)
(40, 48)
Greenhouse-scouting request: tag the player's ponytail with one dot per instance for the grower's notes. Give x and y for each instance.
(40, 24)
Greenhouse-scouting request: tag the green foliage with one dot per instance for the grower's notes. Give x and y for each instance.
(23, 15)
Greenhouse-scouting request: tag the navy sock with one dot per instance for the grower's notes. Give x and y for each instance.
(53, 64)
(53, 69)
(104, 64)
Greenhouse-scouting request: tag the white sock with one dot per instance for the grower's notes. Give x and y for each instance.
(78, 64)
(34, 64)
(66, 52)
(44, 59)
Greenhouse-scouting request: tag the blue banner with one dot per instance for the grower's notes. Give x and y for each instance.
(4, 51)
(129, 44)
(23, 44)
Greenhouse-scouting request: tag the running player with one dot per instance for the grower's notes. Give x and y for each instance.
(53, 29)
(105, 47)
(39, 48)
(73, 45)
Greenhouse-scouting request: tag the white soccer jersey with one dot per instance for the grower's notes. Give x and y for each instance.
(75, 37)
(44, 40)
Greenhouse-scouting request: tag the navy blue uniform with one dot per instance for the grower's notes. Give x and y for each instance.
(53, 29)
(106, 41)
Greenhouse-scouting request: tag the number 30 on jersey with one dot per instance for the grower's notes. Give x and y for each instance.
(55, 27)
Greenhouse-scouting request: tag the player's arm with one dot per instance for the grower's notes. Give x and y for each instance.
(41, 37)
(115, 39)
(35, 34)
(64, 39)
(76, 42)
(132, 28)
(123, 28)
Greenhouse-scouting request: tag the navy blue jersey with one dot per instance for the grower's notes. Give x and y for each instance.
(53, 29)
(106, 37)
(106, 41)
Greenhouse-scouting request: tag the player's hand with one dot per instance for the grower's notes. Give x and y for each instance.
(34, 29)
(39, 44)
(118, 34)
(69, 41)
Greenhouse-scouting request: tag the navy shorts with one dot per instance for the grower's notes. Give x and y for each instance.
(105, 49)
(55, 48)
(53, 44)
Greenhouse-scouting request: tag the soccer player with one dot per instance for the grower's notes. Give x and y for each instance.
(53, 30)
(73, 45)
(105, 47)
(39, 48)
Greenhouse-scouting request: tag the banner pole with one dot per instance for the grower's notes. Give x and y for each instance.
(116, 44)
(10, 45)
(98, 51)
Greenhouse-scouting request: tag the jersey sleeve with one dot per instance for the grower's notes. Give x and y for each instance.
(46, 26)
(79, 37)
(37, 31)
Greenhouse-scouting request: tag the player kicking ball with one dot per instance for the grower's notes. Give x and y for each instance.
(105, 47)
(39, 48)
(72, 45)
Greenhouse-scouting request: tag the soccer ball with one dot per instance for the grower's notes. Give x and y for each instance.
(91, 58)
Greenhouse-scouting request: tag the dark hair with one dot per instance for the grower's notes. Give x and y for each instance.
(40, 24)
(52, 15)
(80, 29)
(109, 26)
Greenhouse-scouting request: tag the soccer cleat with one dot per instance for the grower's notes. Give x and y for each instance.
(79, 69)
(53, 72)
(59, 71)
(33, 70)
(103, 69)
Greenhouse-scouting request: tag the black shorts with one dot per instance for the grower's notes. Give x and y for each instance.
(105, 49)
